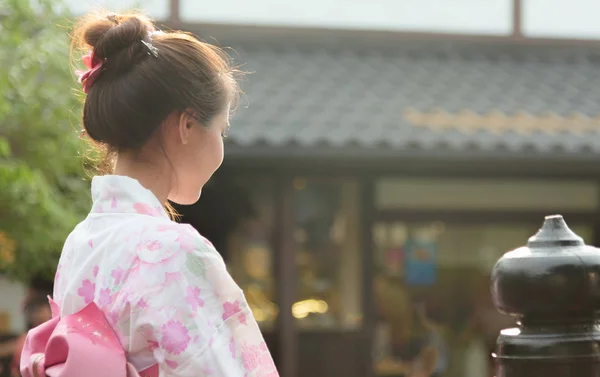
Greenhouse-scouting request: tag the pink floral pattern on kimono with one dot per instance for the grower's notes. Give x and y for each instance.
(163, 287)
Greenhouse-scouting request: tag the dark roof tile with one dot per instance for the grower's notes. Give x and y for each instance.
(341, 97)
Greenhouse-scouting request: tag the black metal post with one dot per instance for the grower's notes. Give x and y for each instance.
(552, 286)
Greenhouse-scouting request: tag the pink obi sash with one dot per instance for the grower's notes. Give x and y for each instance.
(82, 344)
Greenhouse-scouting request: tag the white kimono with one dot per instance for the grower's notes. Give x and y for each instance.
(162, 286)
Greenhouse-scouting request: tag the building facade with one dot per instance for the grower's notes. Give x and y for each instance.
(371, 174)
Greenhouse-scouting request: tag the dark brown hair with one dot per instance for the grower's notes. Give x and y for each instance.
(138, 87)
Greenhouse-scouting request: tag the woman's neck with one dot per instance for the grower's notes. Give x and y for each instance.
(152, 176)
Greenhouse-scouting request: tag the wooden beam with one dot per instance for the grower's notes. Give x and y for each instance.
(237, 33)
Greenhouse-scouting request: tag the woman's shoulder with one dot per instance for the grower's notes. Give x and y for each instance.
(176, 268)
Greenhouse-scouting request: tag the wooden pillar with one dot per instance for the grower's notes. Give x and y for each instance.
(367, 213)
(596, 222)
(517, 16)
(174, 12)
(285, 273)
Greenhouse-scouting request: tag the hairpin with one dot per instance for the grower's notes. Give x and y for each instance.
(151, 49)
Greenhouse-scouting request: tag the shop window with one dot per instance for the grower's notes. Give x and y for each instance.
(250, 249)
(431, 291)
(328, 254)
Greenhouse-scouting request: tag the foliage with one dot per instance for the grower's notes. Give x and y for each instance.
(43, 193)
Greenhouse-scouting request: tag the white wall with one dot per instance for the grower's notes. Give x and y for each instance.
(12, 296)
(561, 18)
(491, 17)
(453, 16)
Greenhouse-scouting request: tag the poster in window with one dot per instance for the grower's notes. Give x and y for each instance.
(420, 262)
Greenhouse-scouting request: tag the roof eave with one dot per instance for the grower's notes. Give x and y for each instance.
(294, 151)
(356, 161)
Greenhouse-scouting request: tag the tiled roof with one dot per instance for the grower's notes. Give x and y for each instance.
(426, 99)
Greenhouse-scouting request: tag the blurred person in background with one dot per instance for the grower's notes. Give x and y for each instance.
(39, 286)
(482, 331)
(409, 339)
(394, 324)
(428, 344)
(36, 311)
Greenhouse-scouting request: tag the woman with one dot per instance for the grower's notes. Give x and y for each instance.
(159, 103)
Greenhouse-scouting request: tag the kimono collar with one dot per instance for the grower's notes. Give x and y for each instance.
(120, 194)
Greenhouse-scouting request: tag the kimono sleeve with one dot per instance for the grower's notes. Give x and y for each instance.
(197, 322)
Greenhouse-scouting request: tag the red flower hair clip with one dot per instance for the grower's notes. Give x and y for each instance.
(94, 66)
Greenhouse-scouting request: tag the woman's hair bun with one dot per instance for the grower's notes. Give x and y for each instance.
(139, 78)
(108, 34)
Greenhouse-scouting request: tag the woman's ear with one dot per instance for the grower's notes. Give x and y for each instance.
(185, 126)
